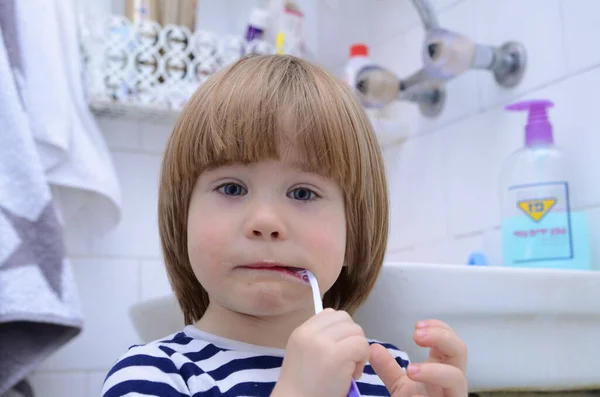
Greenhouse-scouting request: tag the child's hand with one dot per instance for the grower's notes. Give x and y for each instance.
(322, 357)
(442, 374)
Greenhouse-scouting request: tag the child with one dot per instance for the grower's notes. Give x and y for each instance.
(273, 166)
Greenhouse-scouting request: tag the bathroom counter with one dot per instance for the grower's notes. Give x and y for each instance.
(581, 393)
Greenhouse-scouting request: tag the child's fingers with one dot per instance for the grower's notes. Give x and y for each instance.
(433, 323)
(343, 330)
(386, 367)
(360, 367)
(446, 346)
(354, 348)
(445, 376)
(328, 318)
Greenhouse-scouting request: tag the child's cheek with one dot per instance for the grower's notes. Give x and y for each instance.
(208, 242)
(328, 246)
(213, 238)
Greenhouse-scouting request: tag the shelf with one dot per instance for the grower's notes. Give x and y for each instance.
(150, 71)
(132, 111)
(389, 132)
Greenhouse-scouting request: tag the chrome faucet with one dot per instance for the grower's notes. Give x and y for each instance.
(446, 55)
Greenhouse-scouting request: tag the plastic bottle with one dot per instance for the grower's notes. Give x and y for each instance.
(539, 225)
(359, 58)
(259, 20)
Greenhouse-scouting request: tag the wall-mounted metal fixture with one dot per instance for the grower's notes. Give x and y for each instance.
(446, 55)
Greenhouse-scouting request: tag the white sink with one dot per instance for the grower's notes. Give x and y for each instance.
(156, 318)
(528, 329)
(525, 329)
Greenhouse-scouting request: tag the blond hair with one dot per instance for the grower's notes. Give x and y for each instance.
(243, 114)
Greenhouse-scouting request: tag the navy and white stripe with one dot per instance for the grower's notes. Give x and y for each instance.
(194, 363)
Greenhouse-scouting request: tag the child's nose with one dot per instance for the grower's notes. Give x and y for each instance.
(265, 223)
(258, 233)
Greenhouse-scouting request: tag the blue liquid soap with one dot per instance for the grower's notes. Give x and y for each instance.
(541, 224)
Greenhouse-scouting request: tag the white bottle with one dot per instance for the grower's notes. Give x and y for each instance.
(359, 58)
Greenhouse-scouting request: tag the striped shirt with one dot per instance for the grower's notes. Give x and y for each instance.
(199, 364)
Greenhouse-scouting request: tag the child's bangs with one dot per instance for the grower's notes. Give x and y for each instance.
(247, 119)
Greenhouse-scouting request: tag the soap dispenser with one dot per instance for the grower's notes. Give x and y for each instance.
(540, 229)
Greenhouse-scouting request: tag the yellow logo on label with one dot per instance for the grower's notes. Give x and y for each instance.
(536, 209)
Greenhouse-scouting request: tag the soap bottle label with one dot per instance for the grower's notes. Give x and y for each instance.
(541, 230)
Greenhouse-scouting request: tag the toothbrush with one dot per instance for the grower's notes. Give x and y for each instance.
(310, 278)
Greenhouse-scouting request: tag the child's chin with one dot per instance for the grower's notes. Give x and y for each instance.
(272, 303)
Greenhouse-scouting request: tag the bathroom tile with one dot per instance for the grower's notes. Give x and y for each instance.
(441, 5)
(493, 246)
(107, 289)
(155, 134)
(453, 251)
(137, 234)
(391, 18)
(474, 152)
(95, 381)
(154, 280)
(77, 238)
(430, 252)
(456, 251)
(537, 25)
(57, 384)
(400, 53)
(340, 25)
(403, 255)
(120, 132)
(581, 29)
(575, 129)
(416, 191)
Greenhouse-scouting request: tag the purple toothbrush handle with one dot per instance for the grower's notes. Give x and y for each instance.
(353, 392)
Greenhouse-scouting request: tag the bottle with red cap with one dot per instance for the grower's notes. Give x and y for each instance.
(359, 58)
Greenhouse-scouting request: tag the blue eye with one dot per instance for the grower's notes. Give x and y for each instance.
(232, 189)
(302, 194)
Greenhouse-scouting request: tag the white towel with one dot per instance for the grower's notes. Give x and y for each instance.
(54, 168)
(39, 310)
(76, 160)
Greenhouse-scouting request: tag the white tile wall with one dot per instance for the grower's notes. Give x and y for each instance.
(443, 180)
(581, 19)
(154, 281)
(417, 192)
(55, 384)
(137, 234)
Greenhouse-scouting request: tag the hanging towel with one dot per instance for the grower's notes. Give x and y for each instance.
(73, 152)
(39, 309)
(55, 169)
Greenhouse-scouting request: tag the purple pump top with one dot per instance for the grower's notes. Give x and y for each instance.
(538, 129)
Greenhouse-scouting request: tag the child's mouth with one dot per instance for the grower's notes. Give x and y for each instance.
(287, 270)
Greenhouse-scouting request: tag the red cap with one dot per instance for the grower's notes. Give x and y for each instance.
(359, 50)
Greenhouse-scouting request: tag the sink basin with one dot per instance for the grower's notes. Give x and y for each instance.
(526, 329)
(156, 318)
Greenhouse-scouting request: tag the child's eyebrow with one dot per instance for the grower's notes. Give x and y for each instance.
(304, 166)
